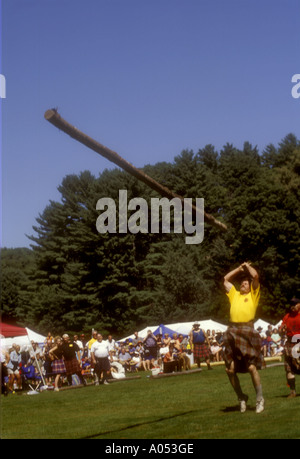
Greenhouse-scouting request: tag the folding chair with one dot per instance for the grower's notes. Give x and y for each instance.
(30, 377)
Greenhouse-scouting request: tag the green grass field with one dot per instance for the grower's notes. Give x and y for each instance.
(194, 406)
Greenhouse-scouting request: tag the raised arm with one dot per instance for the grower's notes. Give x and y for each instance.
(253, 273)
(245, 268)
(228, 279)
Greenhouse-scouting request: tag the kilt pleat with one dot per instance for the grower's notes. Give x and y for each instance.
(72, 366)
(58, 366)
(201, 351)
(242, 345)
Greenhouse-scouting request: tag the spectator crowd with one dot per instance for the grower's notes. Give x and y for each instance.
(66, 360)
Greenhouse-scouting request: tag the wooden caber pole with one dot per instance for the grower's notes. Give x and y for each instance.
(54, 118)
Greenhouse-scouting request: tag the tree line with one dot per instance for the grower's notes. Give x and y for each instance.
(75, 279)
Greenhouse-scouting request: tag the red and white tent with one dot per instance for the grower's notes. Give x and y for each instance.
(10, 331)
(11, 334)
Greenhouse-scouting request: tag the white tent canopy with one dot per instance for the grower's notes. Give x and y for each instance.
(186, 327)
(142, 333)
(182, 327)
(263, 324)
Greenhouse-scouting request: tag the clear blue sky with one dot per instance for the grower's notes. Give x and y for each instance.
(147, 78)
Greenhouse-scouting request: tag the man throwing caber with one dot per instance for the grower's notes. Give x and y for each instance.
(242, 342)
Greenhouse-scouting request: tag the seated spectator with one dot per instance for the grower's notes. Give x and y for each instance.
(124, 358)
(86, 364)
(166, 340)
(139, 352)
(131, 349)
(215, 350)
(117, 369)
(170, 360)
(209, 337)
(213, 336)
(219, 337)
(86, 368)
(220, 340)
(135, 362)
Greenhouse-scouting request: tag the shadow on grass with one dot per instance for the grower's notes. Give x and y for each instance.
(232, 409)
(133, 426)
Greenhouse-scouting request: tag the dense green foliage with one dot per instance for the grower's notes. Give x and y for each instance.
(75, 278)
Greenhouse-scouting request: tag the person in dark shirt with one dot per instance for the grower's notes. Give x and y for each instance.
(72, 364)
(290, 327)
(150, 343)
(200, 345)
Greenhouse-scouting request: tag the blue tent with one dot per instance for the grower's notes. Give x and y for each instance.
(162, 330)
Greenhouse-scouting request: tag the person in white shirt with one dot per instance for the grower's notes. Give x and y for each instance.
(111, 343)
(100, 358)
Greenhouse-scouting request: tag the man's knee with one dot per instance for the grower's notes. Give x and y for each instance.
(252, 369)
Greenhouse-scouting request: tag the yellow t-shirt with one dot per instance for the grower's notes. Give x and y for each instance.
(243, 307)
(91, 341)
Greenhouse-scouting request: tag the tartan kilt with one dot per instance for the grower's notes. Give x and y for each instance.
(292, 364)
(72, 366)
(242, 345)
(58, 366)
(201, 351)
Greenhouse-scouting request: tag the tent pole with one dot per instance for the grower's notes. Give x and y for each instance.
(37, 363)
